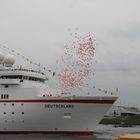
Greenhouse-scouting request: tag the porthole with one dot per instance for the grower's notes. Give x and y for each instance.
(22, 113)
(12, 104)
(4, 113)
(13, 113)
(6, 86)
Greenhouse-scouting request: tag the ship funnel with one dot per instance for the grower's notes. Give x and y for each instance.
(9, 60)
(1, 57)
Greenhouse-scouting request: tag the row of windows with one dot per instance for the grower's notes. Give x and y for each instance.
(13, 121)
(4, 96)
(21, 77)
(13, 113)
(13, 104)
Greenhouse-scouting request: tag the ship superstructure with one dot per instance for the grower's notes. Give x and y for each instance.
(28, 105)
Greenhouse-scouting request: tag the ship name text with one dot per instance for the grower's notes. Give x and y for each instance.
(59, 106)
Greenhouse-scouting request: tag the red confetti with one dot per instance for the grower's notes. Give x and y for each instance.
(77, 62)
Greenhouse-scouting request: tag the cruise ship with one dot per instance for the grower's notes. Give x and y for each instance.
(28, 105)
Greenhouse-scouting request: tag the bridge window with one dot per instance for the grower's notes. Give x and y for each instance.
(21, 78)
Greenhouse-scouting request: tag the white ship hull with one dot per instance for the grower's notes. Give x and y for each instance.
(28, 105)
(53, 115)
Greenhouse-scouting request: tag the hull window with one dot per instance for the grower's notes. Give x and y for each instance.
(4, 96)
(6, 86)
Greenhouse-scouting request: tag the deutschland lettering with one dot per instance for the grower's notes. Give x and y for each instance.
(58, 106)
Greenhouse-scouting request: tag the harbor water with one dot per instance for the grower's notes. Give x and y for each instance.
(103, 132)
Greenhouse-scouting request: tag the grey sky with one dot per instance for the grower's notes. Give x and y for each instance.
(39, 30)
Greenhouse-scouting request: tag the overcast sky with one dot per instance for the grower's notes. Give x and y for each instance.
(39, 29)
